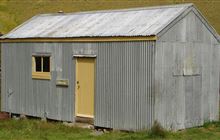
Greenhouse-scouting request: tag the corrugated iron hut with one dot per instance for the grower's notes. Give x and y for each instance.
(123, 68)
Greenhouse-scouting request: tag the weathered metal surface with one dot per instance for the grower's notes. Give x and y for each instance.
(62, 82)
(125, 85)
(124, 82)
(187, 75)
(42, 98)
(130, 22)
(175, 81)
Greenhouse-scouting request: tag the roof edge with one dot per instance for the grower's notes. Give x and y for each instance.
(17, 27)
(206, 23)
(173, 21)
(82, 39)
(196, 11)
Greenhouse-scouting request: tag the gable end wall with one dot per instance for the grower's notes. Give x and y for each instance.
(187, 75)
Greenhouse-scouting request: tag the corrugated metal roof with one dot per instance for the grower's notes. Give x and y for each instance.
(127, 22)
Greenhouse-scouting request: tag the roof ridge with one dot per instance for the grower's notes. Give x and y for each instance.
(121, 10)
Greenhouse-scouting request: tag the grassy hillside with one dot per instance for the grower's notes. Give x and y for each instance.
(14, 12)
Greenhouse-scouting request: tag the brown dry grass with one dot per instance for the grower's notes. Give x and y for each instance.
(14, 12)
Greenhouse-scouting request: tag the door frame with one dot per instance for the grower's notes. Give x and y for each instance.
(75, 90)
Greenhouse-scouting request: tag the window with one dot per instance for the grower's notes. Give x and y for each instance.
(41, 67)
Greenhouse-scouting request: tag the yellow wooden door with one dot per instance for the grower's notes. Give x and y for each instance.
(85, 69)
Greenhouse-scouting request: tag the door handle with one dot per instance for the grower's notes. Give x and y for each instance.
(77, 84)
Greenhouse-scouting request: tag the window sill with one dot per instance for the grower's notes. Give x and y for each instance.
(41, 75)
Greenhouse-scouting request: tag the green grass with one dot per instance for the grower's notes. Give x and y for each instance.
(38, 130)
(14, 12)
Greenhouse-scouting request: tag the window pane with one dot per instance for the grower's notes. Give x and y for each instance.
(46, 64)
(38, 64)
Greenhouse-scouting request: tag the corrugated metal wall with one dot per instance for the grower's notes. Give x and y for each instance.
(183, 65)
(124, 96)
(42, 98)
(125, 77)
(187, 75)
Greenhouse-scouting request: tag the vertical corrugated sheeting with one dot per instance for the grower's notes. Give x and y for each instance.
(124, 90)
(187, 75)
(41, 98)
(124, 87)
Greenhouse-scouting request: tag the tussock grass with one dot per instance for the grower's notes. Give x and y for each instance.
(157, 131)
